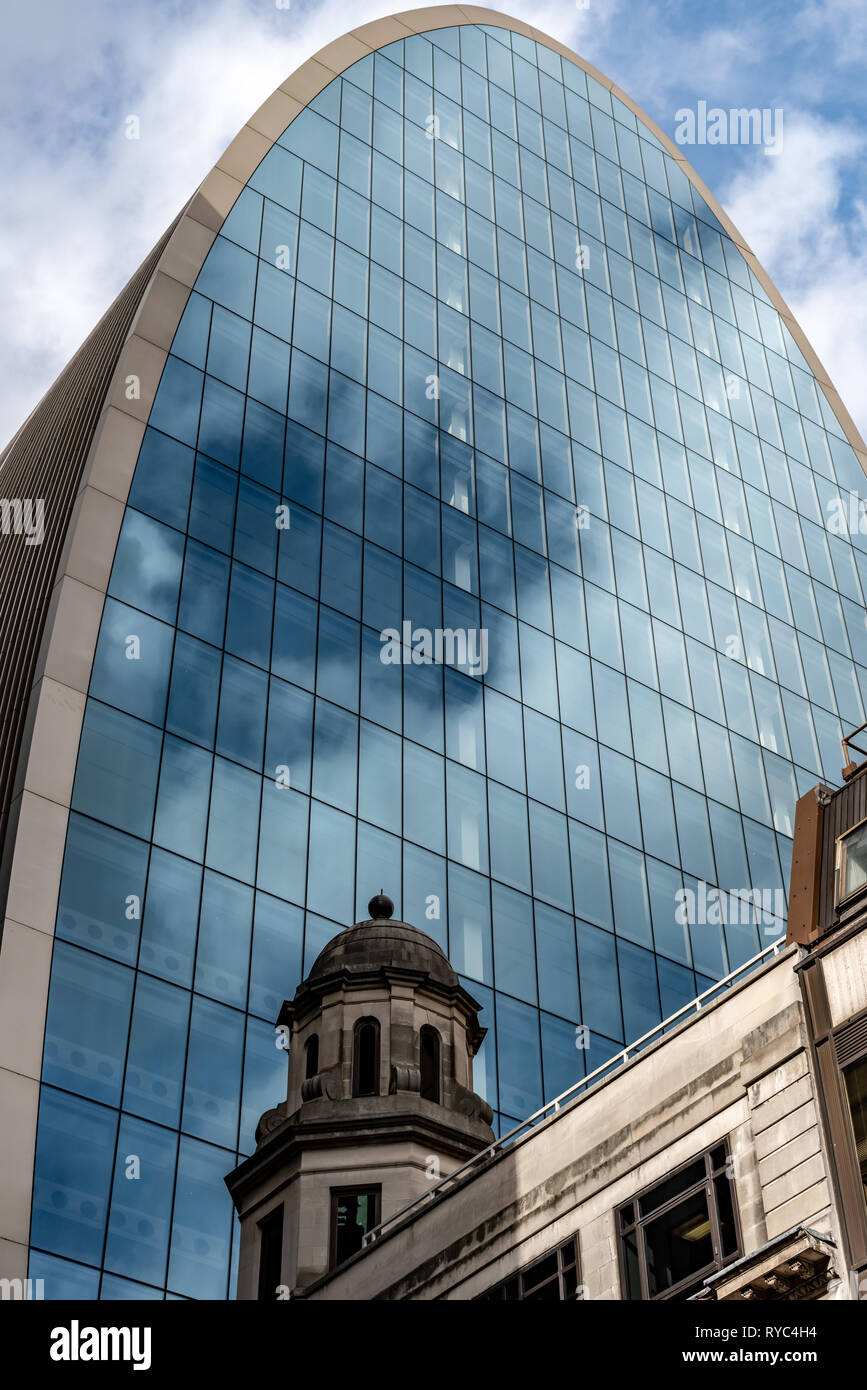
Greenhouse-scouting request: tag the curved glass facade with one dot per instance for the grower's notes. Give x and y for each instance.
(475, 552)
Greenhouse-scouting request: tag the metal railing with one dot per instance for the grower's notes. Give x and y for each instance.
(552, 1107)
(848, 772)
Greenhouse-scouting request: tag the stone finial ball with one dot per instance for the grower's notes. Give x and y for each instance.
(380, 907)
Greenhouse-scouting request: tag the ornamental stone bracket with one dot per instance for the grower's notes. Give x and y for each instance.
(795, 1266)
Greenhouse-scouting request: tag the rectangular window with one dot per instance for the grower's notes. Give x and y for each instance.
(270, 1255)
(354, 1212)
(677, 1233)
(855, 1078)
(851, 862)
(551, 1279)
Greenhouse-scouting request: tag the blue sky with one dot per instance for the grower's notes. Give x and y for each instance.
(83, 205)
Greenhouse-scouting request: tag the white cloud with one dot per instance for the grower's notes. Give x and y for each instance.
(83, 204)
(841, 23)
(790, 209)
(708, 66)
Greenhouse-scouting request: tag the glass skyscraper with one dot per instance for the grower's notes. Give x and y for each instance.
(472, 368)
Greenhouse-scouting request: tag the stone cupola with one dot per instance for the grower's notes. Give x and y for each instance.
(380, 1103)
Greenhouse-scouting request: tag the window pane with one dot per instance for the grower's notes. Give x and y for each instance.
(854, 862)
(519, 1060)
(102, 889)
(74, 1149)
(353, 1214)
(856, 1091)
(157, 1048)
(87, 1024)
(678, 1244)
(201, 1224)
(115, 780)
(213, 1080)
(138, 1227)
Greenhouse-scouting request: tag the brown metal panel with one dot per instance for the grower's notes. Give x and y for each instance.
(804, 887)
(826, 889)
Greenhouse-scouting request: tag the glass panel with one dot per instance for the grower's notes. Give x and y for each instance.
(201, 1223)
(102, 889)
(678, 1244)
(853, 862)
(856, 1092)
(212, 1083)
(87, 1024)
(74, 1154)
(353, 1214)
(665, 1191)
(141, 1201)
(157, 1050)
(518, 1054)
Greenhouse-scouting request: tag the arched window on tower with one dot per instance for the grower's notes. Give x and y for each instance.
(429, 1048)
(311, 1056)
(365, 1058)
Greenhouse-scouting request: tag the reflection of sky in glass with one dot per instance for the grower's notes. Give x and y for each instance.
(514, 378)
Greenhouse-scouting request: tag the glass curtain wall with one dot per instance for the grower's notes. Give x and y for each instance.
(471, 370)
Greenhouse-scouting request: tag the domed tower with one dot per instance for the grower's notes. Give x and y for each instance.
(381, 1038)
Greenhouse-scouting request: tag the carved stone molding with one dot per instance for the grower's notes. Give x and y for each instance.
(796, 1266)
(311, 1087)
(404, 1077)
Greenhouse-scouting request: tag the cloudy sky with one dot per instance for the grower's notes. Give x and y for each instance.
(82, 205)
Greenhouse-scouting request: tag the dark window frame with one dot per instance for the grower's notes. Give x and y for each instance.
(836, 1047)
(359, 1062)
(374, 1190)
(841, 899)
(270, 1251)
(518, 1288)
(311, 1056)
(631, 1221)
(850, 1051)
(430, 1066)
(860, 1164)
